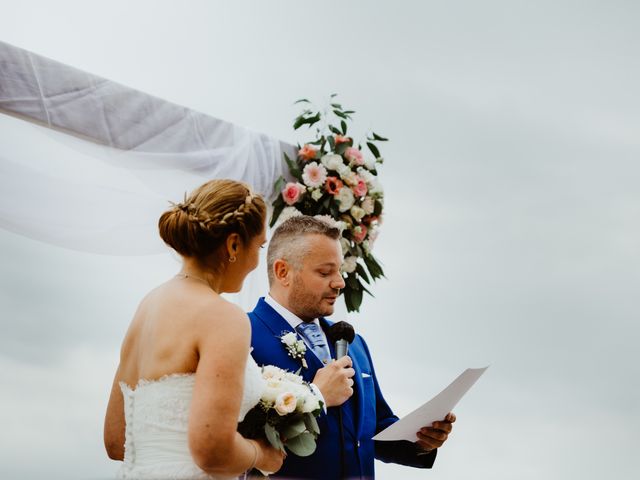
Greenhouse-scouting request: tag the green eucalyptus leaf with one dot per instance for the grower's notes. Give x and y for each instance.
(293, 167)
(294, 429)
(362, 272)
(379, 138)
(340, 114)
(343, 124)
(340, 148)
(332, 143)
(277, 210)
(311, 423)
(279, 185)
(302, 100)
(303, 445)
(335, 130)
(273, 436)
(356, 300)
(374, 149)
(336, 105)
(377, 208)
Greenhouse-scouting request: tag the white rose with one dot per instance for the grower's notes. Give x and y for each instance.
(332, 161)
(345, 199)
(271, 390)
(293, 378)
(310, 403)
(345, 244)
(366, 175)
(344, 170)
(368, 205)
(286, 403)
(329, 220)
(287, 213)
(375, 189)
(349, 265)
(289, 339)
(370, 163)
(350, 178)
(271, 372)
(316, 194)
(357, 213)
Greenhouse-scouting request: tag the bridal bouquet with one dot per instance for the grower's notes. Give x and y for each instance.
(337, 179)
(285, 414)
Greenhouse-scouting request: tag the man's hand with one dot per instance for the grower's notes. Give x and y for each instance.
(430, 438)
(335, 382)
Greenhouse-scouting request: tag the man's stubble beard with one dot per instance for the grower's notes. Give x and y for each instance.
(305, 303)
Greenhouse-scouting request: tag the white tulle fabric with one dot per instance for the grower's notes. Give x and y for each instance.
(96, 163)
(157, 417)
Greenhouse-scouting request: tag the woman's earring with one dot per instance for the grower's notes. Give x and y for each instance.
(232, 259)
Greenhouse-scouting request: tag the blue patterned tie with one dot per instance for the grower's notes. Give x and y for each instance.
(314, 337)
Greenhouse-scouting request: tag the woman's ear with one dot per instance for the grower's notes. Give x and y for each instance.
(233, 246)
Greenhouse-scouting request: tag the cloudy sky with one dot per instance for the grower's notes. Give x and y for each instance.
(512, 233)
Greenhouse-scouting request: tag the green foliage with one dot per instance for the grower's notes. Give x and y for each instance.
(330, 124)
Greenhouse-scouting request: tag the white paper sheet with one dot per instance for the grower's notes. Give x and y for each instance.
(434, 410)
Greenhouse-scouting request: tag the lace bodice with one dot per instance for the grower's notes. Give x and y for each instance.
(157, 417)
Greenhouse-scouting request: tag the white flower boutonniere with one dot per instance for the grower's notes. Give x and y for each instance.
(296, 347)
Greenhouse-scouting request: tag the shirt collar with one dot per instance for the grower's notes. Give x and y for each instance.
(291, 318)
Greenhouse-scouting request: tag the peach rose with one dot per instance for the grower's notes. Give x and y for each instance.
(286, 403)
(342, 139)
(292, 192)
(307, 152)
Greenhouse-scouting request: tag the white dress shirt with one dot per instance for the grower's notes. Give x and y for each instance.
(293, 320)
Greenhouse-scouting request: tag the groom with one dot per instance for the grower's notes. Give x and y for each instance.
(304, 260)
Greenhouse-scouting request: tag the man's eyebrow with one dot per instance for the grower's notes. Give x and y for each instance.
(326, 264)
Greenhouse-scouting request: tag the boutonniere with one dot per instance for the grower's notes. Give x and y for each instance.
(296, 347)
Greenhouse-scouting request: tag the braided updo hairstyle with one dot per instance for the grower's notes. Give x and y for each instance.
(199, 226)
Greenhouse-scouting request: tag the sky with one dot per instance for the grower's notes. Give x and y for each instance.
(511, 234)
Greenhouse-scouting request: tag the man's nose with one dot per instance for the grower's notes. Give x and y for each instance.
(338, 282)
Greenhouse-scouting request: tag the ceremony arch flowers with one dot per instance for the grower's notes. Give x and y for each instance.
(334, 177)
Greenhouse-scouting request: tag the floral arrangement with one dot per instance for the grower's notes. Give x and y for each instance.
(296, 348)
(286, 413)
(336, 179)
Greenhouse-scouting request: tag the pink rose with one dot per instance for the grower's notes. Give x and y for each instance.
(359, 233)
(307, 152)
(292, 192)
(353, 155)
(360, 188)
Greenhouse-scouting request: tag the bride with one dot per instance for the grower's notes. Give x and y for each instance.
(185, 376)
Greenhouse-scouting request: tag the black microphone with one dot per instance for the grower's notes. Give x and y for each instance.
(342, 334)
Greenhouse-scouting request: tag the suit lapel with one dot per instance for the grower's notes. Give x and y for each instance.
(279, 326)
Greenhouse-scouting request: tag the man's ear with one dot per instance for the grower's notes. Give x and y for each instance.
(281, 270)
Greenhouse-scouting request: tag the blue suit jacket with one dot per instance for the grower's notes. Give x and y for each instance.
(364, 414)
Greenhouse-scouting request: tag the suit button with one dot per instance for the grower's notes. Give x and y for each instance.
(358, 444)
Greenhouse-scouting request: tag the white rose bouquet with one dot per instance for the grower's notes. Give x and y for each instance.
(335, 178)
(286, 413)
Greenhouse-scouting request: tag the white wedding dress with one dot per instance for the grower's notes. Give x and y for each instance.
(157, 416)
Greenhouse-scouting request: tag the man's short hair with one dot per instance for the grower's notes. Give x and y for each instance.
(288, 241)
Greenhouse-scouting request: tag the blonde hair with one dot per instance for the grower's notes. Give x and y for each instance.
(199, 226)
